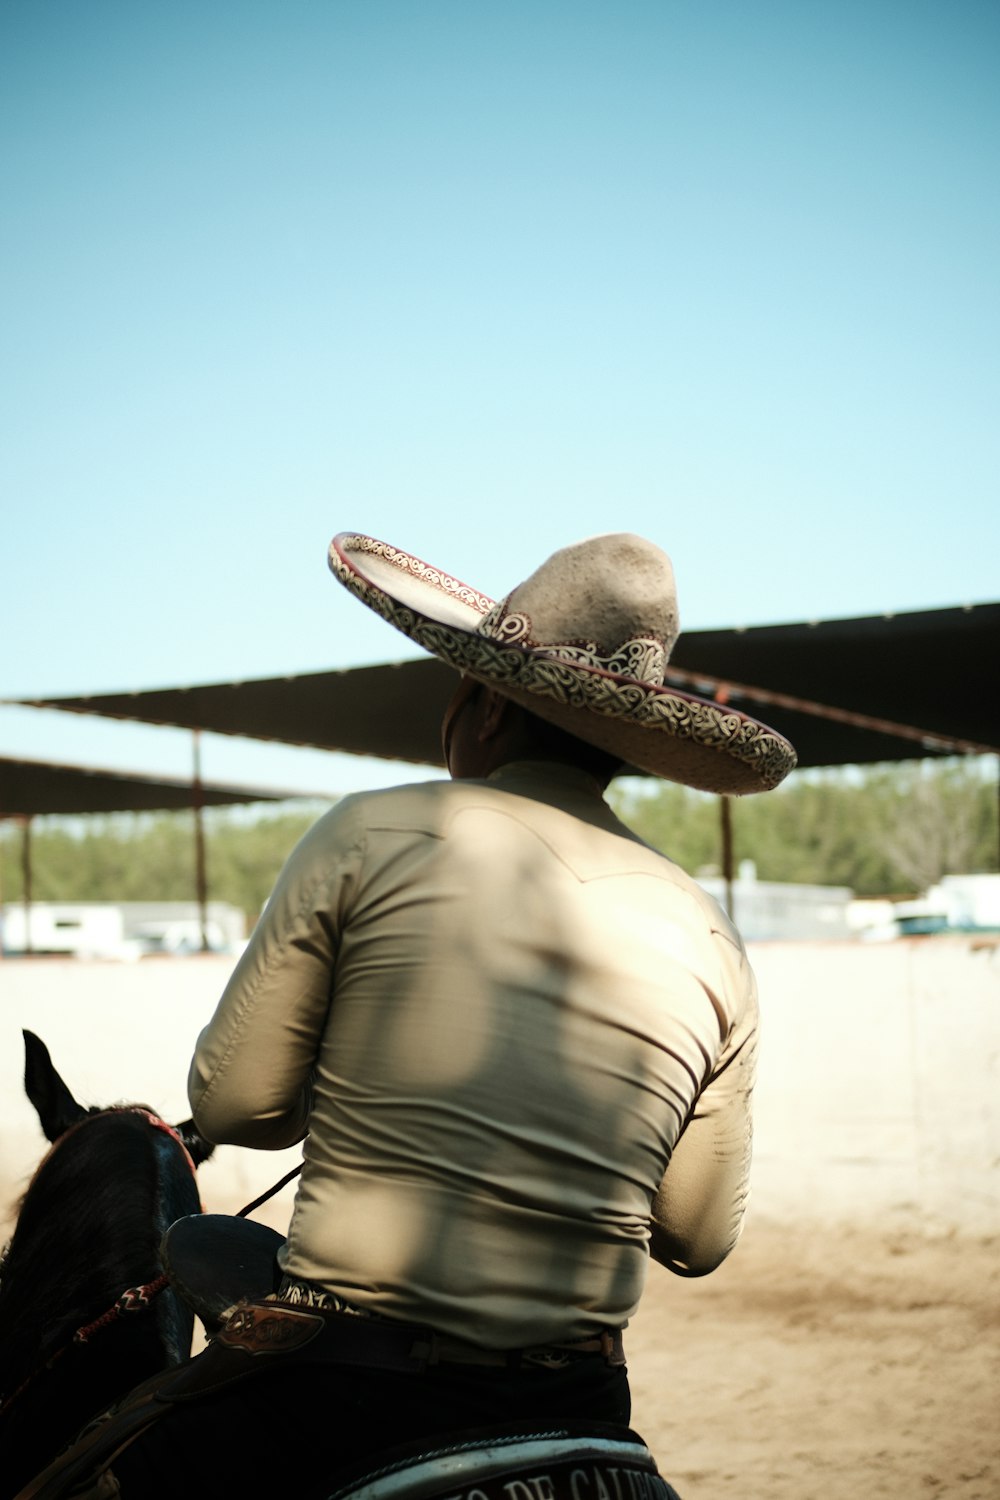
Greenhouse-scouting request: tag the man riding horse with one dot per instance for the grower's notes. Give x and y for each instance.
(517, 1044)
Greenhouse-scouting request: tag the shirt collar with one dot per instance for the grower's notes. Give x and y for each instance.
(547, 781)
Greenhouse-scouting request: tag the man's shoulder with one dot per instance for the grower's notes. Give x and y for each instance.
(407, 804)
(696, 897)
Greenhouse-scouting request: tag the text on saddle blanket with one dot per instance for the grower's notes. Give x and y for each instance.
(571, 1481)
(547, 1466)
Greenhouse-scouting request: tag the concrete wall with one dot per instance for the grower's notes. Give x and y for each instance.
(878, 1100)
(119, 1032)
(879, 1091)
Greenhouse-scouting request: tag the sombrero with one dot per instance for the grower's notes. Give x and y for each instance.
(584, 642)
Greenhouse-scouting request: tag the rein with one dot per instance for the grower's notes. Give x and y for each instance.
(270, 1192)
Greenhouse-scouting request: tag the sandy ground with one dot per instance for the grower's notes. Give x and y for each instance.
(818, 1363)
(825, 1363)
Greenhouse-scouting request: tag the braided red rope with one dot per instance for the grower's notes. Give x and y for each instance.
(133, 1299)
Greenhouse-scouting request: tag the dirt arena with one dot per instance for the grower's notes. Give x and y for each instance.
(825, 1364)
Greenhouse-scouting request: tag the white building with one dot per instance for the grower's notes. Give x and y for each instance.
(124, 930)
(958, 903)
(767, 911)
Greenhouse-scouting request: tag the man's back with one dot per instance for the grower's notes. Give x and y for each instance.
(527, 1003)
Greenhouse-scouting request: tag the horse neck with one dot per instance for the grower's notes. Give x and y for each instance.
(89, 1227)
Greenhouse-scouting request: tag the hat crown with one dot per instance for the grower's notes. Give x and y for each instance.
(610, 600)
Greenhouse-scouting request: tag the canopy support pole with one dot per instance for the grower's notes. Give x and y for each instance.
(727, 852)
(197, 801)
(26, 881)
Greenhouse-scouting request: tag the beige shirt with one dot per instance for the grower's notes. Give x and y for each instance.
(496, 1016)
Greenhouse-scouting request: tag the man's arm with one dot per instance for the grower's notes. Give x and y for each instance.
(250, 1077)
(698, 1212)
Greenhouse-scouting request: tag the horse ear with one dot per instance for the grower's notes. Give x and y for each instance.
(198, 1148)
(56, 1108)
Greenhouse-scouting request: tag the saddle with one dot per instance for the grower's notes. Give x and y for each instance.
(516, 1461)
(214, 1261)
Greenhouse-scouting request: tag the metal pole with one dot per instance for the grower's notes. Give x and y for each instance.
(26, 881)
(199, 841)
(727, 853)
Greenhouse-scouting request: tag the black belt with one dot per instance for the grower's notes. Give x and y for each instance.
(439, 1350)
(264, 1327)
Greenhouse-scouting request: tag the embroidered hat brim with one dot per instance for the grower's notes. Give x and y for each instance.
(649, 725)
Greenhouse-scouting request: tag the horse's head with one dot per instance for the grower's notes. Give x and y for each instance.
(58, 1110)
(85, 1311)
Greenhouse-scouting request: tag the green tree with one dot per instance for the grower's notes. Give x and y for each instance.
(151, 857)
(882, 830)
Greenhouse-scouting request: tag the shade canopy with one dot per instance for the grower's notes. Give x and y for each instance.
(880, 687)
(853, 691)
(30, 788)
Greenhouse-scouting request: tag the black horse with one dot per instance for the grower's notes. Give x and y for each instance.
(86, 1313)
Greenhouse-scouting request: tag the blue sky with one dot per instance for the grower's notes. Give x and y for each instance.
(479, 279)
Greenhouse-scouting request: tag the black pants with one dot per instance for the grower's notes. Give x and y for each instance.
(288, 1431)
